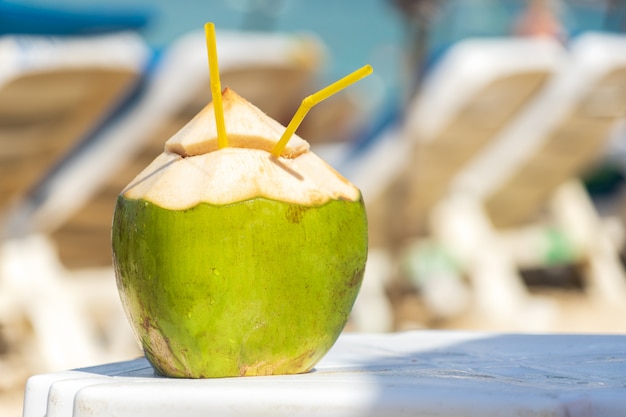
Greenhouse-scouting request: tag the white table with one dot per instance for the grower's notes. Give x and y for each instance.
(425, 373)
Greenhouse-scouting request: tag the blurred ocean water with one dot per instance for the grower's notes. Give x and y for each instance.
(356, 32)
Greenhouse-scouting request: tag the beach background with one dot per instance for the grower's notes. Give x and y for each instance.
(401, 47)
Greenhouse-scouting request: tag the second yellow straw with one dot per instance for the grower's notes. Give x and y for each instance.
(315, 98)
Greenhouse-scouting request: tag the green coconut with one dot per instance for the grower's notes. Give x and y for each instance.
(231, 261)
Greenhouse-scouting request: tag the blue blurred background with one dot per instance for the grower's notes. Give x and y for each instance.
(399, 38)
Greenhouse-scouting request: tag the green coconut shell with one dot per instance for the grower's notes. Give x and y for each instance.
(253, 288)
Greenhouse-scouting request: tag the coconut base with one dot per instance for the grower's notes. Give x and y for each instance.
(259, 287)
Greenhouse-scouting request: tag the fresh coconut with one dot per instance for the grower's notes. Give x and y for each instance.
(233, 261)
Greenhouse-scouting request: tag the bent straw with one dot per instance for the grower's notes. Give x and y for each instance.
(216, 88)
(315, 98)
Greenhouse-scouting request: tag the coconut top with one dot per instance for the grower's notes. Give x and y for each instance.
(192, 169)
(246, 127)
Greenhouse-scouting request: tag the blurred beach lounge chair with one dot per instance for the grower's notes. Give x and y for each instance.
(74, 208)
(54, 92)
(529, 175)
(474, 91)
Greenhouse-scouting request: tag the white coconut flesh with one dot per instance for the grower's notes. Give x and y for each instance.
(192, 169)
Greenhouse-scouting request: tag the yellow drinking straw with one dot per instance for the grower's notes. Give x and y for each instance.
(216, 87)
(315, 98)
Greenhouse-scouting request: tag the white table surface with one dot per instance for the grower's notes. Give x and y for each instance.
(423, 373)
